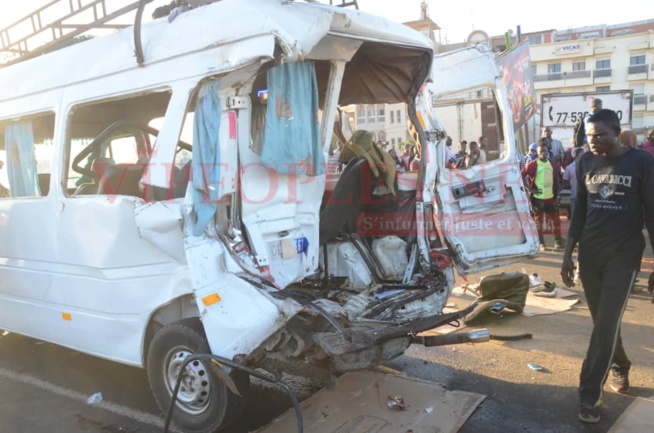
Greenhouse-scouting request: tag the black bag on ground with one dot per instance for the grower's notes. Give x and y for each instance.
(499, 292)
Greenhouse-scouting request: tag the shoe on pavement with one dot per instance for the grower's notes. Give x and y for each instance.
(543, 247)
(589, 413)
(549, 290)
(619, 380)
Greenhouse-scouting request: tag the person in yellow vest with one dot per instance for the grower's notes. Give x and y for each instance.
(543, 179)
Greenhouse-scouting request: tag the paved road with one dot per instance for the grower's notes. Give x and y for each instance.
(45, 387)
(521, 400)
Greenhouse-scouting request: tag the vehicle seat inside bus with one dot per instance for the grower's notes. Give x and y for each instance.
(122, 179)
(341, 212)
(98, 167)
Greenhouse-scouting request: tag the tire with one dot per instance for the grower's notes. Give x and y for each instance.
(202, 406)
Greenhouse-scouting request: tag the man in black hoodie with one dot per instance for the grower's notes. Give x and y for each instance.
(615, 196)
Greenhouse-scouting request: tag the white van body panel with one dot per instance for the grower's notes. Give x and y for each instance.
(483, 211)
(102, 273)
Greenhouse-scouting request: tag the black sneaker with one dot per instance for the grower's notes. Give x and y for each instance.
(619, 380)
(589, 413)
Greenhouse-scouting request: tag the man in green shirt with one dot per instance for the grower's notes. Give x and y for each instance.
(543, 179)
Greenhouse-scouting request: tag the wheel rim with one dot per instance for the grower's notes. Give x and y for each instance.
(195, 389)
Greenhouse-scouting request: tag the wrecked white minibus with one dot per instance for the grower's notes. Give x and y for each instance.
(125, 239)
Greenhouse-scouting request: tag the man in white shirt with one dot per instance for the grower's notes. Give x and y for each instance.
(556, 146)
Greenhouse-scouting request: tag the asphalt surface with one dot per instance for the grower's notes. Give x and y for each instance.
(45, 387)
(520, 399)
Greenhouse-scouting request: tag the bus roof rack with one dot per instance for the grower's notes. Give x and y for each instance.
(56, 24)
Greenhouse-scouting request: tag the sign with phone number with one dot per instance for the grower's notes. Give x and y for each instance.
(561, 110)
(562, 118)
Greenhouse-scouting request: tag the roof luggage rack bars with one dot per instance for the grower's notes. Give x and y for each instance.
(342, 4)
(39, 32)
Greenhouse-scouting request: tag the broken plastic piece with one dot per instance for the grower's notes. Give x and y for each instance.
(95, 398)
(535, 367)
(395, 403)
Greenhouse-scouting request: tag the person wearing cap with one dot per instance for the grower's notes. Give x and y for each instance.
(533, 152)
(533, 149)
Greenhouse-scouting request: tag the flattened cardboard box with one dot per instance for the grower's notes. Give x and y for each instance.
(367, 402)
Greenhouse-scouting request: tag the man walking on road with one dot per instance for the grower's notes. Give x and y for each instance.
(615, 195)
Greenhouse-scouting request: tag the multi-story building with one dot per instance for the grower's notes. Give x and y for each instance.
(596, 59)
(587, 59)
(387, 121)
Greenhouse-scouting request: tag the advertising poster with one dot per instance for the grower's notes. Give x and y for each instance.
(515, 68)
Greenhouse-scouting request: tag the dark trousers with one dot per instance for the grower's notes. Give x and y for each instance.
(607, 292)
(542, 209)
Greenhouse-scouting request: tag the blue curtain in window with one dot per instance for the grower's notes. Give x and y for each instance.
(292, 139)
(21, 162)
(206, 155)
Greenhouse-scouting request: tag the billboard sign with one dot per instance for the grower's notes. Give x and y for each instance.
(515, 68)
(565, 110)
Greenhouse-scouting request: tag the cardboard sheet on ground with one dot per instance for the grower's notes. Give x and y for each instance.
(359, 403)
(638, 418)
(537, 305)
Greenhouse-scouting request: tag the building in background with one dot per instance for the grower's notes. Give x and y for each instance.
(597, 59)
(586, 59)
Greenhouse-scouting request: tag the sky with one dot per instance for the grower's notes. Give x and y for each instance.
(456, 18)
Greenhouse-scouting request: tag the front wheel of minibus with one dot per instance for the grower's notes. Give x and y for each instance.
(204, 403)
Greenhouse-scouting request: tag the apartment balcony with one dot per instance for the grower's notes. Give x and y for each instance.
(650, 104)
(602, 76)
(640, 99)
(637, 72)
(576, 74)
(562, 79)
(640, 103)
(637, 69)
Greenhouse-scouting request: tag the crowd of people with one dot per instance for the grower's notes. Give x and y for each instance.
(468, 154)
(549, 169)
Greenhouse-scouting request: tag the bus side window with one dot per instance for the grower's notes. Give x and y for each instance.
(26, 161)
(110, 144)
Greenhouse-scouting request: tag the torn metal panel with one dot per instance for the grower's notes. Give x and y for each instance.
(237, 316)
